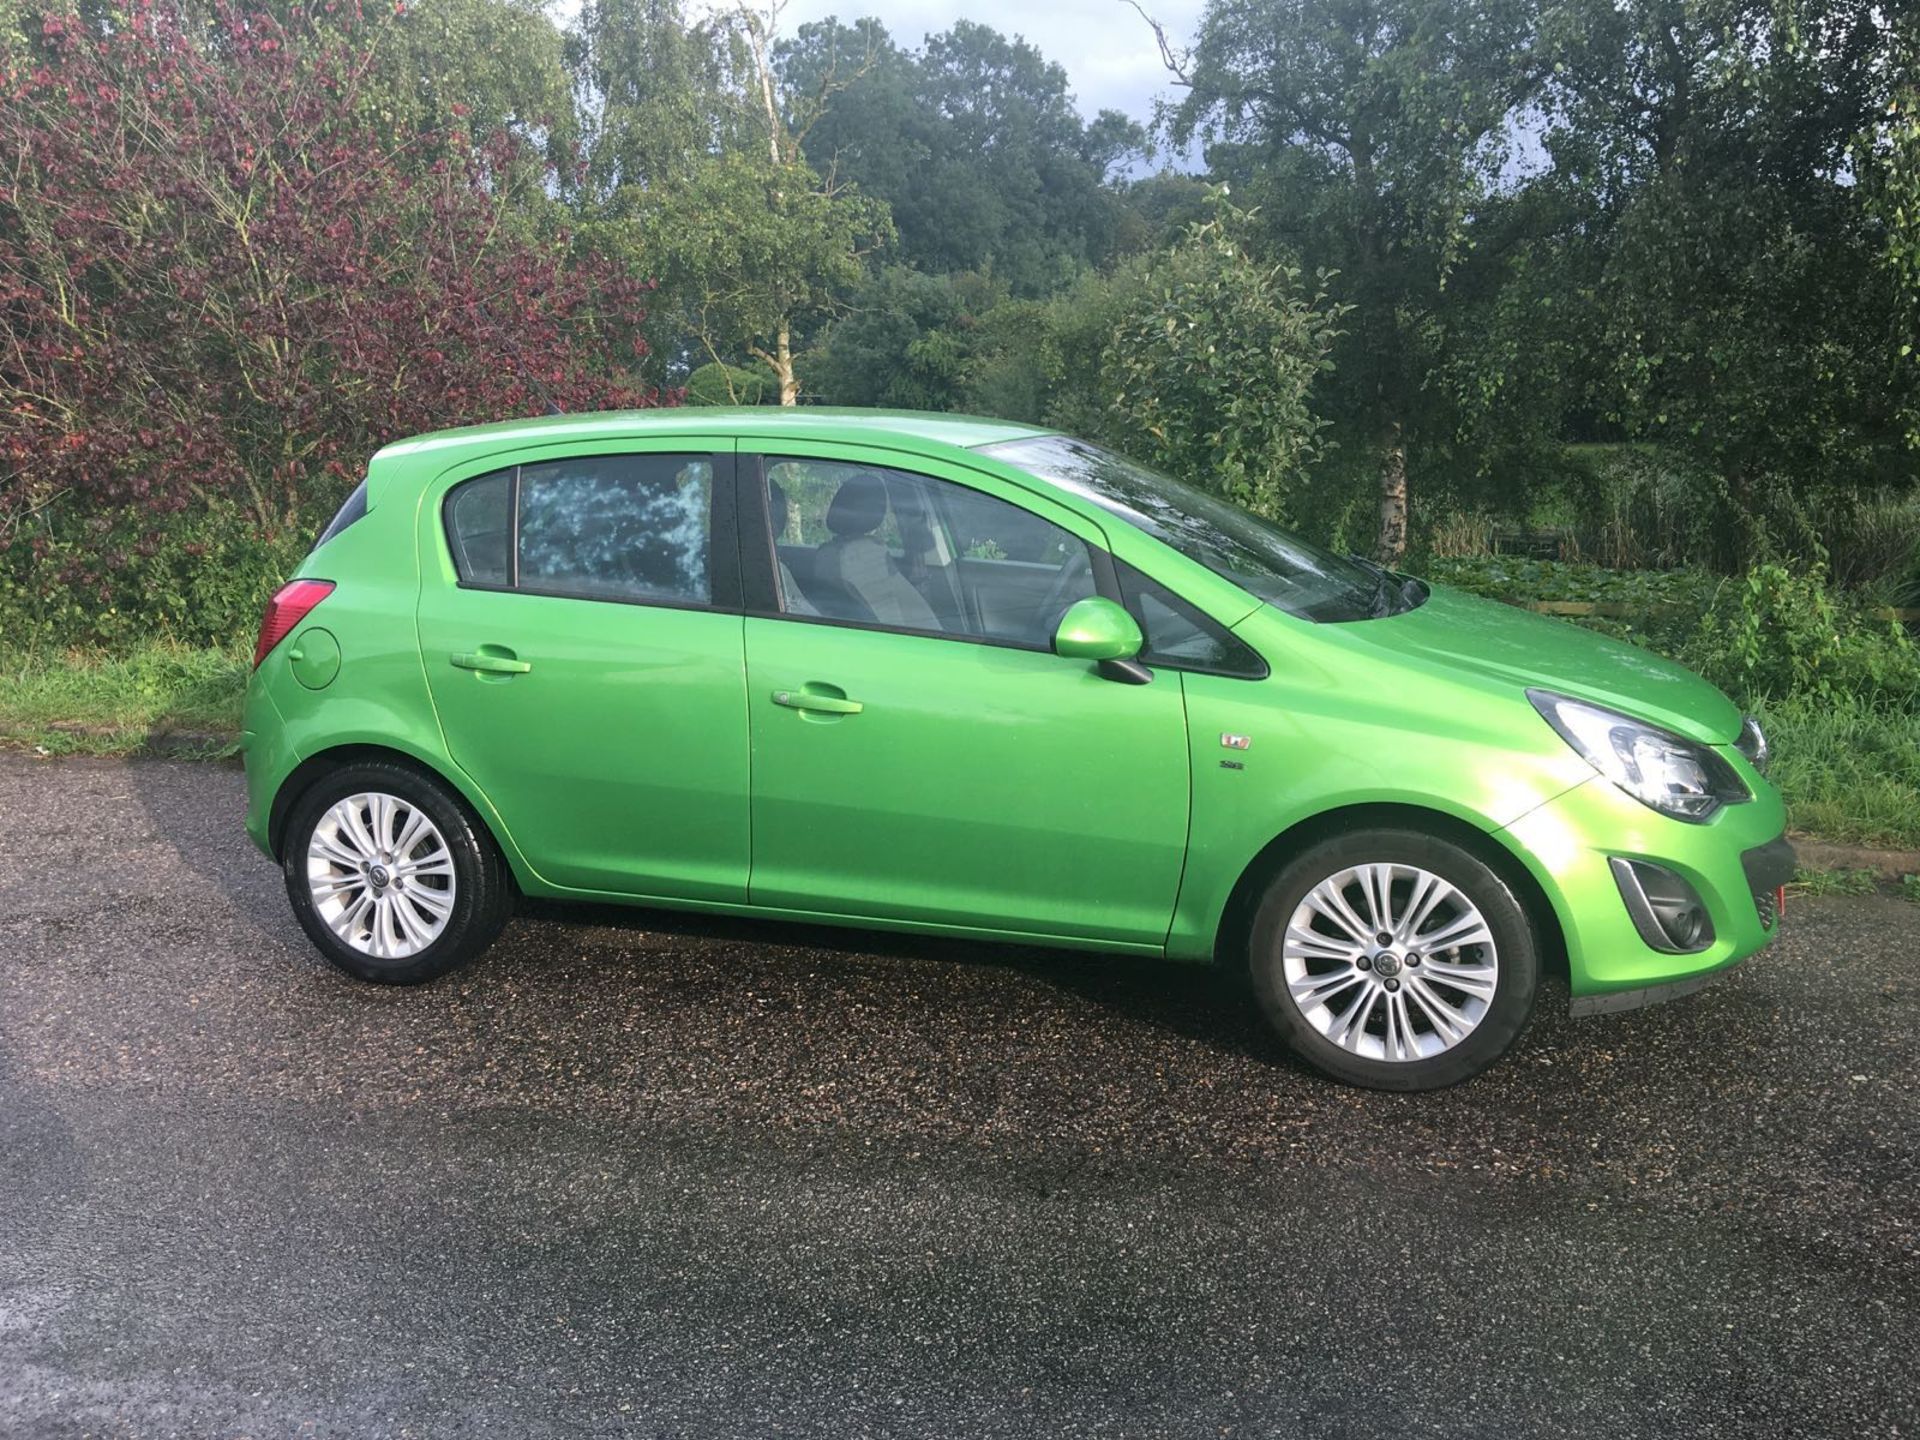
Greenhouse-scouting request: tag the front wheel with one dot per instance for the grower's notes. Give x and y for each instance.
(390, 876)
(1394, 960)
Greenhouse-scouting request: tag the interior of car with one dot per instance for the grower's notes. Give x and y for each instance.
(913, 553)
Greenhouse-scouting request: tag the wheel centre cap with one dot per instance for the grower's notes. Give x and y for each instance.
(1386, 964)
(379, 876)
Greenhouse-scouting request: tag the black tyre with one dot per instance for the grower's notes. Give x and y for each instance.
(1394, 960)
(391, 876)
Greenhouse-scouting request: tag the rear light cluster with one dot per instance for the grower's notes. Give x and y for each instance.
(287, 608)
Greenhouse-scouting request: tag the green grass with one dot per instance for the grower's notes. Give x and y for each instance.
(1837, 882)
(1850, 771)
(88, 703)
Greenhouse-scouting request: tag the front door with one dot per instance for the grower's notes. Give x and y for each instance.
(919, 753)
(585, 670)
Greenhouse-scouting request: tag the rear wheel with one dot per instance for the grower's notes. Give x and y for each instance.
(1394, 960)
(390, 875)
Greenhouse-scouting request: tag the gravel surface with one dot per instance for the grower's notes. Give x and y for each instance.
(640, 1175)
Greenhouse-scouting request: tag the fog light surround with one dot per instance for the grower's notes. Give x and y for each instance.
(1665, 909)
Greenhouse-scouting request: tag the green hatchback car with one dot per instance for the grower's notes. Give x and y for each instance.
(953, 675)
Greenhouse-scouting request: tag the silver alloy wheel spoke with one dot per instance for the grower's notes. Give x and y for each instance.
(380, 874)
(1414, 994)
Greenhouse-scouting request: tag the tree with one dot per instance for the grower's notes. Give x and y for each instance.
(219, 287)
(1212, 364)
(1890, 158)
(975, 145)
(754, 245)
(1713, 241)
(1367, 131)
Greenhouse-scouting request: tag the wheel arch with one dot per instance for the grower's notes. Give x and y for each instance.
(1236, 917)
(310, 770)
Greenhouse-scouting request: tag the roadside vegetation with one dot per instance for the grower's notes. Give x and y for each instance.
(1605, 309)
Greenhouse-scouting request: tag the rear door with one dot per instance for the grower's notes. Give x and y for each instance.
(580, 629)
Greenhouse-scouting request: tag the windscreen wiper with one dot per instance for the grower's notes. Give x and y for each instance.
(1387, 587)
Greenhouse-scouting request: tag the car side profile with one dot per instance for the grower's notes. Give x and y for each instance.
(953, 675)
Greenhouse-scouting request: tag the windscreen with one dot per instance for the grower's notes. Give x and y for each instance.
(1255, 554)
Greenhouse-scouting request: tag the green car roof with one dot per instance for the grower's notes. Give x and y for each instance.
(813, 422)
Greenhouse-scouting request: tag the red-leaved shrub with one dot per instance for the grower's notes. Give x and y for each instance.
(220, 290)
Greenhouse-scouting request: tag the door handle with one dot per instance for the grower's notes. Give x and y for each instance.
(819, 704)
(492, 664)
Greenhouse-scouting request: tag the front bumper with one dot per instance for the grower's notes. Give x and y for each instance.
(1734, 863)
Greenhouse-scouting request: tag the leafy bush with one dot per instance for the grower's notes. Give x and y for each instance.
(223, 291)
(719, 383)
(1775, 633)
(1209, 371)
(1850, 770)
(73, 577)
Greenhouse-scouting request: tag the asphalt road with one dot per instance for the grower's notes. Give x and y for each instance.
(639, 1176)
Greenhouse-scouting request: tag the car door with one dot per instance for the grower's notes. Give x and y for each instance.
(579, 625)
(919, 752)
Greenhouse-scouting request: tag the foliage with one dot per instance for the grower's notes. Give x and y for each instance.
(1910, 888)
(1211, 367)
(221, 294)
(1850, 770)
(1837, 882)
(1368, 133)
(1776, 633)
(1890, 166)
(973, 143)
(754, 245)
(717, 383)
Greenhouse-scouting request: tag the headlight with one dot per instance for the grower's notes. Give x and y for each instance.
(1753, 744)
(1658, 768)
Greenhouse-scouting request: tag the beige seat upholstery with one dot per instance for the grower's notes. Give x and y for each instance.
(856, 567)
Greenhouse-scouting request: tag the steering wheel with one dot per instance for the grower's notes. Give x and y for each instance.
(1060, 594)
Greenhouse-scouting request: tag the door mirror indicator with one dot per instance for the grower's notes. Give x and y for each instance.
(1101, 630)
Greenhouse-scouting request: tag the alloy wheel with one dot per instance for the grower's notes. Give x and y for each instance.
(1390, 962)
(381, 875)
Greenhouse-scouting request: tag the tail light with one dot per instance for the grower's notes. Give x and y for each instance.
(287, 608)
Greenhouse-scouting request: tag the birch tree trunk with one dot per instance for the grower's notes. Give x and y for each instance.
(1392, 548)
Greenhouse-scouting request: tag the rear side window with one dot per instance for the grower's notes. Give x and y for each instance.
(598, 527)
(354, 509)
(480, 529)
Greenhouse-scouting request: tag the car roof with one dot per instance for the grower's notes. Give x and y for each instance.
(813, 422)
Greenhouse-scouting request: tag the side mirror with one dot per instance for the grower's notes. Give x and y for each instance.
(1097, 629)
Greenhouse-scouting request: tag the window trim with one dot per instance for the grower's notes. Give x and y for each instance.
(1200, 620)
(759, 571)
(723, 567)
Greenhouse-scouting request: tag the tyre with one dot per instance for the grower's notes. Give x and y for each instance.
(1394, 960)
(391, 876)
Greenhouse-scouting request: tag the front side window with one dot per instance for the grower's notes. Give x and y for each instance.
(596, 527)
(1258, 556)
(878, 546)
(1180, 636)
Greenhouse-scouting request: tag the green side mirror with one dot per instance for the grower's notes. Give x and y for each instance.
(1097, 629)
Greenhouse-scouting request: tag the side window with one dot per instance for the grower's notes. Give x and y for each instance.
(885, 547)
(479, 518)
(600, 527)
(1179, 636)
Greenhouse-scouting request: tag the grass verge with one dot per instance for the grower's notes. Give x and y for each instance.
(1851, 771)
(89, 703)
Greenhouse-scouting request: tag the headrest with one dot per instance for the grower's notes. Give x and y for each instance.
(859, 505)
